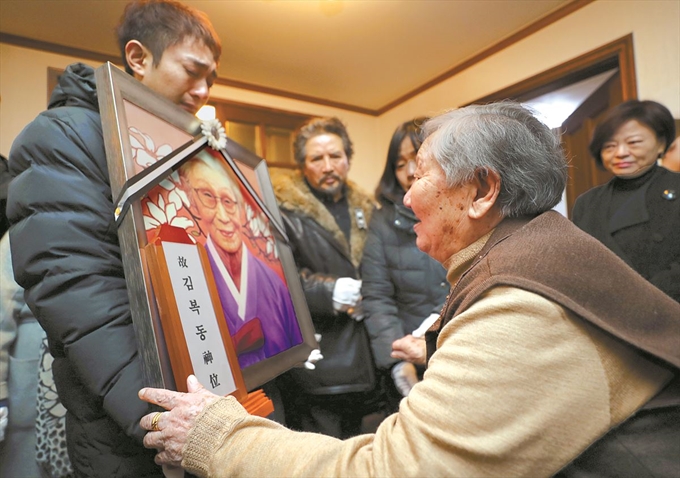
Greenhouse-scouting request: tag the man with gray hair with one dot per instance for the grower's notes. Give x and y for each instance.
(541, 349)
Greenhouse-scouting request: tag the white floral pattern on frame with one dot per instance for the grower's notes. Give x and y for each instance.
(145, 153)
(144, 150)
(166, 213)
(258, 231)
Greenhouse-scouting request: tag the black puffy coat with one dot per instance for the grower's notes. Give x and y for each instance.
(67, 258)
(401, 285)
(322, 254)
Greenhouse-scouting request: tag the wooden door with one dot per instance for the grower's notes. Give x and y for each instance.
(577, 130)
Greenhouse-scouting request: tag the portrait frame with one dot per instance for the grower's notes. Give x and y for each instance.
(125, 104)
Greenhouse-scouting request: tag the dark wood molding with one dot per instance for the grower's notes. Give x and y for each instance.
(549, 19)
(58, 49)
(295, 96)
(543, 22)
(598, 102)
(250, 113)
(618, 53)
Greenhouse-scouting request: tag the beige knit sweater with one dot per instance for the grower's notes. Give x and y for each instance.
(517, 387)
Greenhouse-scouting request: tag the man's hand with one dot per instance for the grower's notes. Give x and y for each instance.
(346, 293)
(410, 349)
(168, 431)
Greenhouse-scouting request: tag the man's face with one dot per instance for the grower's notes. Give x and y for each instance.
(441, 211)
(212, 194)
(326, 164)
(184, 75)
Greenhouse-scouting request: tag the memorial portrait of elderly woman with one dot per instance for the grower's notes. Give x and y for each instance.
(256, 301)
(539, 364)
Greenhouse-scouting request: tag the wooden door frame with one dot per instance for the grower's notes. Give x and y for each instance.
(618, 53)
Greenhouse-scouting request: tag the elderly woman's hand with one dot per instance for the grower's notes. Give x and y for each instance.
(410, 349)
(168, 431)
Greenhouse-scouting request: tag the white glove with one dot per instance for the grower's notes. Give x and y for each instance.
(346, 294)
(313, 358)
(4, 416)
(427, 323)
(405, 377)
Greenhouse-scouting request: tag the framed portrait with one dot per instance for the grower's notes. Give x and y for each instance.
(180, 185)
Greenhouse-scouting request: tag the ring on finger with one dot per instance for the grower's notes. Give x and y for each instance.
(154, 421)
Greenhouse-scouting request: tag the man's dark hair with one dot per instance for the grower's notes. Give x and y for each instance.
(651, 114)
(318, 126)
(159, 24)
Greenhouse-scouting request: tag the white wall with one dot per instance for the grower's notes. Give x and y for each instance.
(363, 129)
(655, 25)
(23, 90)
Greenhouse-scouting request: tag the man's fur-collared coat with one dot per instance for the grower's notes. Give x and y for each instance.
(323, 254)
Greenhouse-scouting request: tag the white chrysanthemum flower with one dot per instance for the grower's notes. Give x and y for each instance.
(213, 130)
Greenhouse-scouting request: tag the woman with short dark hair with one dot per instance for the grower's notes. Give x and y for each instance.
(637, 213)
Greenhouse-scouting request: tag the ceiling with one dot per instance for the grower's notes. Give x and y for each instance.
(364, 55)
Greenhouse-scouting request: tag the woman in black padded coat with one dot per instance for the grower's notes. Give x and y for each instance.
(402, 286)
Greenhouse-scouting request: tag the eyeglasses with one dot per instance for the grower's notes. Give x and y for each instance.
(209, 200)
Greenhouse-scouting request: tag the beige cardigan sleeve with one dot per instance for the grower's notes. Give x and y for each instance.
(517, 387)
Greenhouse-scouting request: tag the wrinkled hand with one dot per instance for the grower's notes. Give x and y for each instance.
(410, 349)
(173, 426)
(346, 293)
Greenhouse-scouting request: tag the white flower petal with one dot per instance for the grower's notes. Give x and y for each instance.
(170, 212)
(183, 222)
(175, 199)
(163, 150)
(150, 145)
(144, 159)
(167, 185)
(150, 223)
(135, 143)
(183, 196)
(156, 212)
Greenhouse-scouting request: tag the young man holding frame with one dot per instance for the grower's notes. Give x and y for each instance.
(65, 242)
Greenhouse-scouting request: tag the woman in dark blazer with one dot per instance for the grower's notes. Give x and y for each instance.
(637, 213)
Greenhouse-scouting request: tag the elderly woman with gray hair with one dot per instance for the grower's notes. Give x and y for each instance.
(537, 355)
